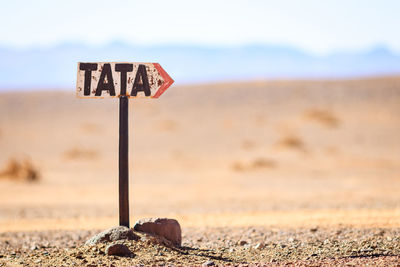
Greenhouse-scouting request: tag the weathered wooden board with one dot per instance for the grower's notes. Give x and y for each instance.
(114, 79)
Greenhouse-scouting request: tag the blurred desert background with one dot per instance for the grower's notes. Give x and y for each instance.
(262, 153)
(277, 144)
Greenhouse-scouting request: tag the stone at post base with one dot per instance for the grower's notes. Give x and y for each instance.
(164, 227)
(118, 250)
(113, 234)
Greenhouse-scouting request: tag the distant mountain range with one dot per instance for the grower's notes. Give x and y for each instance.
(56, 66)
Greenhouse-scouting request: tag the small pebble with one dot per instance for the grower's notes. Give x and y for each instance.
(208, 263)
(259, 246)
(242, 242)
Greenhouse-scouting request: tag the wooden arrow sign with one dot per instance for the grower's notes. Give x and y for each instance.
(115, 79)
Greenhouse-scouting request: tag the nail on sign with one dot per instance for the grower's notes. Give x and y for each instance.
(115, 79)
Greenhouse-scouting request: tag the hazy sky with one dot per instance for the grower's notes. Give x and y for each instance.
(318, 26)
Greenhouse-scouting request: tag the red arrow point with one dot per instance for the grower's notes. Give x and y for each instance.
(167, 80)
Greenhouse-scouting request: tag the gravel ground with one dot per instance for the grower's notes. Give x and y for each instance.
(249, 246)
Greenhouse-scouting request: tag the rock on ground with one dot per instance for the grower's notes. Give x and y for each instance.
(164, 227)
(208, 263)
(118, 250)
(113, 234)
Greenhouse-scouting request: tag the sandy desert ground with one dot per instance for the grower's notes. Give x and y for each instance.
(307, 170)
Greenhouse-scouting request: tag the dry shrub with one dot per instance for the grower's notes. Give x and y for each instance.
(291, 142)
(77, 153)
(259, 163)
(324, 117)
(263, 163)
(20, 170)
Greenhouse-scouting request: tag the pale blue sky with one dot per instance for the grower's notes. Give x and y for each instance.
(317, 26)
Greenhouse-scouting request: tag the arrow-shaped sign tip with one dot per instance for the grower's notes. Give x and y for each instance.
(167, 80)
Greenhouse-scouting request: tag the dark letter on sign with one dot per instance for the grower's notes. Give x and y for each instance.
(123, 68)
(141, 82)
(88, 68)
(102, 85)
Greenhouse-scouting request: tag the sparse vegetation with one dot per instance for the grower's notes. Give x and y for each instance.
(20, 170)
(309, 185)
(79, 153)
(260, 163)
(291, 142)
(323, 117)
(256, 164)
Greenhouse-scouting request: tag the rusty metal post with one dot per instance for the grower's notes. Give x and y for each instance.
(123, 162)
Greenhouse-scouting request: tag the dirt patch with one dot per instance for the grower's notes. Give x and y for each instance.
(167, 125)
(90, 128)
(260, 120)
(248, 145)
